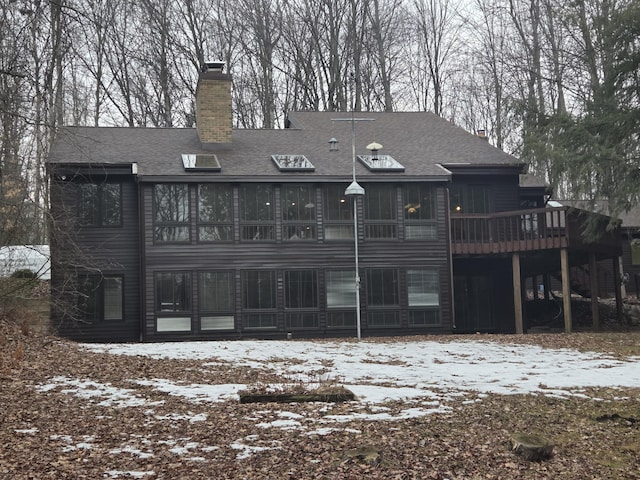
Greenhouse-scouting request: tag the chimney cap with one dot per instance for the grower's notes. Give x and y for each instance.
(213, 65)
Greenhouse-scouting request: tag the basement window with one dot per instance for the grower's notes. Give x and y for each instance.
(381, 163)
(293, 163)
(201, 162)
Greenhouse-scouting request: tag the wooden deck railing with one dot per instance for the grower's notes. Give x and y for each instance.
(522, 230)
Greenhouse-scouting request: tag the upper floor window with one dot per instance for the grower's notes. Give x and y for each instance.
(338, 213)
(380, 211)
(419, 206)
(101, 298)
(215, 212)
(100, 204)
(257, 217)
(470, 199)
(298, 212)
(171, 212)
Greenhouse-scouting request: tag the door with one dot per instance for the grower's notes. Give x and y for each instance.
(473, 305)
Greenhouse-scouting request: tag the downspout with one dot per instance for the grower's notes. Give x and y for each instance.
(447, 216)
(141, 253)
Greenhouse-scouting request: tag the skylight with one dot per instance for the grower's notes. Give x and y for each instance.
(293, 163)
(201, 161)
(381, 163)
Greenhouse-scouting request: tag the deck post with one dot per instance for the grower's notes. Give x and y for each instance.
(593, 286)
(617, 282)
(517, 292)
(566, 289)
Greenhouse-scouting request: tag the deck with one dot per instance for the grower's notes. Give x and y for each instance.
(529, 230)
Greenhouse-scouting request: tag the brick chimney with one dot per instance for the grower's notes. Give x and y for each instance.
(213, 105)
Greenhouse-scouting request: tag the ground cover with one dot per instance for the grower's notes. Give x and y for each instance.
(431, 407)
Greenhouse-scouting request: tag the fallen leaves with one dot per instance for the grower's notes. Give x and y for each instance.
(54, 433)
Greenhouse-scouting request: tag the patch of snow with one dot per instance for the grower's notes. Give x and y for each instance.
(122, 473)
(27, 431)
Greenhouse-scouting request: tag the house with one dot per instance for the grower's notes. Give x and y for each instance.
(212, 233)
(34, 258)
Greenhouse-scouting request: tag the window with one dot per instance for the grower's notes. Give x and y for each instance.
(100, 298)
(341, 298)
(257, 218)
(381, 163)
(338, 213)
(293, 163)
(259, 299)
(171, 213)
(215, 212)
(298, 212)
(380, 211)
(99, 205)
(217, 301)
(301, 299)
(201, 162)
(470, 199)
(173, 295)
(383, 297)
(419, 212)
(173, 292)
(423, 287)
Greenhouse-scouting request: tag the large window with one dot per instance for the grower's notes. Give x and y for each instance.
(338, 213)
(171, 212)
(301, 299)
(419, 205)
(380, 211)
(470, 199)
(259, 299)
(100, 205)
(383, 297)
(257, 218)
(215, 212)
(423, 290)
(173, 301)
(298, 212)
(216, 301)
(341, 298)
(100, 298)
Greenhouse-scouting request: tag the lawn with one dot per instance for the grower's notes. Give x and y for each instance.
(429, 407)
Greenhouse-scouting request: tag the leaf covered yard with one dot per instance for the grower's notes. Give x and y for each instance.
(428, 407)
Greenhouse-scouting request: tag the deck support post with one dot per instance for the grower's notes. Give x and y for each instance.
(617, 282)
(517, 292)
(593, 286)
(566, 289)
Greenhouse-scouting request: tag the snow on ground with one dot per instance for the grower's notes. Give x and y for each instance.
(381, 371)
(391, 380)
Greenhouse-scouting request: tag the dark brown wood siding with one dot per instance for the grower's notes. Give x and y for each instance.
(280, 256)
(78, 251)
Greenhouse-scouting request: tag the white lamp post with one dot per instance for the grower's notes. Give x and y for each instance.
(355, 190)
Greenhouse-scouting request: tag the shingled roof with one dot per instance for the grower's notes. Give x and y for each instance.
(422, 142)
